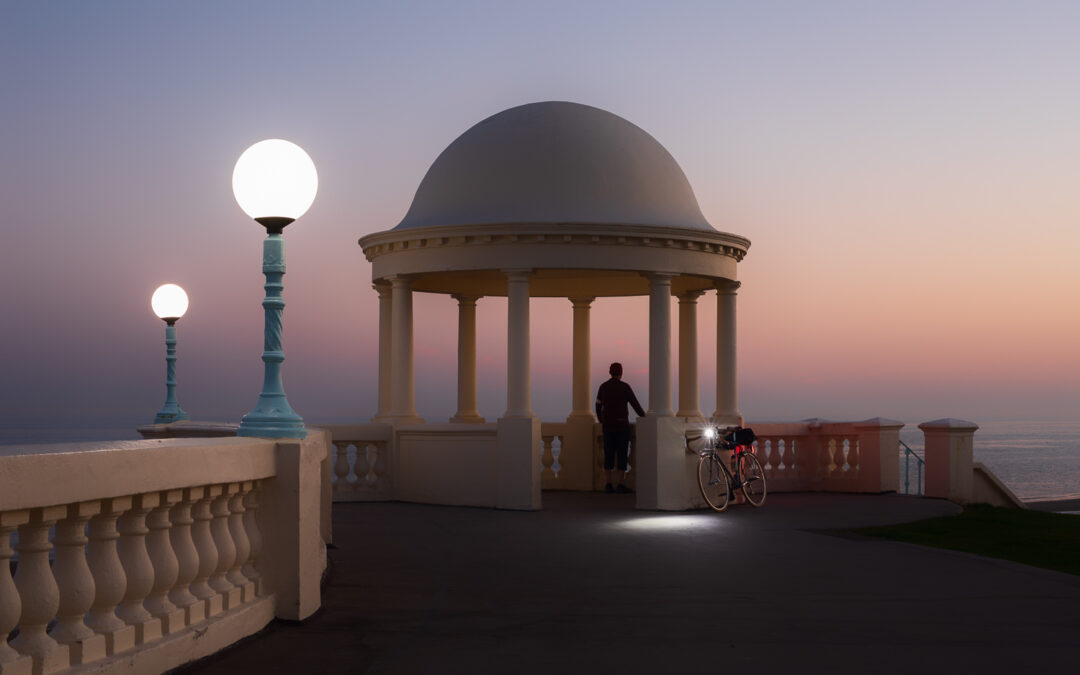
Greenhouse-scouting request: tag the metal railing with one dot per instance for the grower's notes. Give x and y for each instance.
(919, 463)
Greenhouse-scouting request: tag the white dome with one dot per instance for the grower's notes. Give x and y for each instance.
(552, 163)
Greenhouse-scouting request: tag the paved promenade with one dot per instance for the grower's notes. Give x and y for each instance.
(589, 585)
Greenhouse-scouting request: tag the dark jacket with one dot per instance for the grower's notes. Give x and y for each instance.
(611, 405)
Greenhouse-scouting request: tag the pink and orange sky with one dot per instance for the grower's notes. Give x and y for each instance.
(908, 174)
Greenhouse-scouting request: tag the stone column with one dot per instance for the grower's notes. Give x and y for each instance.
(386, 337)
(582, 401)
(518, 431)
(727, 398)
(518, 395)
(466, 387)
(689, 407)
(402, 392)
(660, 345)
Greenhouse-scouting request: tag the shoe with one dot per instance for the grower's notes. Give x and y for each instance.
(608, 488)
(622, 489)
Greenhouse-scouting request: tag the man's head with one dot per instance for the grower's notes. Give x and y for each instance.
(615, 369)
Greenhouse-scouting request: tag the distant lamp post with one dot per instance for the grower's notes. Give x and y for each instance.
(170, 302)
(275, 183)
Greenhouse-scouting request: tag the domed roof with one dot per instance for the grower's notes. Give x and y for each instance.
(555, 162)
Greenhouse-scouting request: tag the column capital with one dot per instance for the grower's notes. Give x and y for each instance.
(400, 280)
(581, 302)
(727, 286)
(518, 273)
(383, 288)
(689, 297)
(659, 277)
(466, 298)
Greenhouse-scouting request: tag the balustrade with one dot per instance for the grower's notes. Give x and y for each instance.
(360, 465)
(136, 578)
(553, 438)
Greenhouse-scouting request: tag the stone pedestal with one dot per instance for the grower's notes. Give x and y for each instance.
(517, 462)
(879, 455)
(949, 459)
(666, 473)
(576, 457)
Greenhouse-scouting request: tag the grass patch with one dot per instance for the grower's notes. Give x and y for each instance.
(1047, 540)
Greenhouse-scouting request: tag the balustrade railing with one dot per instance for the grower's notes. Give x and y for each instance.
(157, 560)
(361, 462)
(553, 439)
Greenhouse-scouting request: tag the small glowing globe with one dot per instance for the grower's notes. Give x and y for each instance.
(169, 301)
(275, 179)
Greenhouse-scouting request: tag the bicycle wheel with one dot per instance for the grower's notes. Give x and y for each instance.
(713, 481)
(753, 478)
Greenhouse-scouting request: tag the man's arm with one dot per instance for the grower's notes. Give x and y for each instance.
(635, 404)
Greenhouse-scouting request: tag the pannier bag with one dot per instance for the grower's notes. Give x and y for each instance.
(741, 436)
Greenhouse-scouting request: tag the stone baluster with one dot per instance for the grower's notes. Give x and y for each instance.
(138, 568)
(110, 581)
(208, 556)
(251, 525)
(76, 584)
(853, 455)
(341, 467)
(165, 563)
(226, 548)
(187, 557)
(362, 466)
(11, 662)
(547, 459)
(38, 591)
(243, 543)
(380, 465)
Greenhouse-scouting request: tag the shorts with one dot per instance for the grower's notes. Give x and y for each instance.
(616, 446)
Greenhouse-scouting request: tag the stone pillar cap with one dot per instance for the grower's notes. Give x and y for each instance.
(883, 422)
(949, 424)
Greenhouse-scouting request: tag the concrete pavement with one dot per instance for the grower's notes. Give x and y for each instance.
(590, 585)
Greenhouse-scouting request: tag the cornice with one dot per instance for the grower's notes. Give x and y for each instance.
(447, 236)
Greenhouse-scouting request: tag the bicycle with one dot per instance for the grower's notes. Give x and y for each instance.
(717, 481)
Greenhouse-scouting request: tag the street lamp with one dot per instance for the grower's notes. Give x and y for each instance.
(275, 183)
(170, 302)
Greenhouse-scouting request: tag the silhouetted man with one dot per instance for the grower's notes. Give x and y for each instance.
(611, 408)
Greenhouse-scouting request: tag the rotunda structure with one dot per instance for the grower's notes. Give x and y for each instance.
(557, 199)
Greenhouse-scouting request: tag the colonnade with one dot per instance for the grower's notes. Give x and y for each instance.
(396, 359)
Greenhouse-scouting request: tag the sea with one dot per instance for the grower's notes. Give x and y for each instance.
(1036, 460)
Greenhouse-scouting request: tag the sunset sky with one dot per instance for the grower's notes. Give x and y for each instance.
(908, 174)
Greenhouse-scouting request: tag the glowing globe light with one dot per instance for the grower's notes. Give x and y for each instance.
(169, 302)
(275, 182)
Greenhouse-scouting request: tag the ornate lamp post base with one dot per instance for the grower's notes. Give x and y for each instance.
(266, 426)
(167, 416)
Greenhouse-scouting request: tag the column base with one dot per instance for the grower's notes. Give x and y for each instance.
(726, 419)
(517, 460)
(467, 418)
(666, 472)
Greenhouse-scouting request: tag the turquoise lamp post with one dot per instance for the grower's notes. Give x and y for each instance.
(275, 183)
(170, 302)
